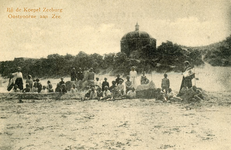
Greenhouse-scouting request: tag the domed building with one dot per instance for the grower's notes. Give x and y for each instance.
(136, 40)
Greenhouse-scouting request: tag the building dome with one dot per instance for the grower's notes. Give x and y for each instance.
(136, 34)
(136, 40)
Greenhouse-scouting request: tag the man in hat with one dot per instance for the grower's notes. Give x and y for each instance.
(188, 75)
(18, 78)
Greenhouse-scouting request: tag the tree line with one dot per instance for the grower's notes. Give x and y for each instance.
(167, 57)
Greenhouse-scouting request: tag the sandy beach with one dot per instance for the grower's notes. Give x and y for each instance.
(117, 125)
(136, 124)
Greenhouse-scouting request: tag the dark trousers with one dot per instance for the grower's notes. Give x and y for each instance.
(19, 82)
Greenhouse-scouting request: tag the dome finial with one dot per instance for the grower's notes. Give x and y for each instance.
(137, 27)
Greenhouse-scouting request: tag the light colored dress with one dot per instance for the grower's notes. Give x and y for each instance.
(133, 75)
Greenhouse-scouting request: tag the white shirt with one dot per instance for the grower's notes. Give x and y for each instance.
(17, 75)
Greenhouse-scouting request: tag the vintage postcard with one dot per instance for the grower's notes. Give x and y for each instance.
(115, 74)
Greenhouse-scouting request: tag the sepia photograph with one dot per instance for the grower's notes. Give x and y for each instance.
(115, 75)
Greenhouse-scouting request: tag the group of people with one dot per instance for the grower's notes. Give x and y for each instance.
(86, 81)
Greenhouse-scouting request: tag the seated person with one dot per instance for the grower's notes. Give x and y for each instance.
(57, 89)
(16, 89)
(62, 86)
(170, 94)
(27, 89)
(62, 81)
(99, 93)
(106, 94)
(91, 94)
(73, 89)
(131, 94)
(128, 84)
(49, 86)
(120, 88)
(37, 86)
(144, 79)
(113, 86)
(44, 89)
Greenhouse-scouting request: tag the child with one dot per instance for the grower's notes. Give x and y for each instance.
(165, 84)
(97, 83)
(99, 93)
(37, 86)
(118, 80)
(144, 79)
(44, 90)
(131, 94)
(49, 86)
(90, 94)
(106, 94)
(29, 81)
(128, 84)
(105, 83)
(62, 86)
(16, 89)
(120, 88)
(73, 89)
(27, 89)
(57, 89)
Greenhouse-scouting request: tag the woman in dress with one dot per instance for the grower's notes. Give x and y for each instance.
(133, 75)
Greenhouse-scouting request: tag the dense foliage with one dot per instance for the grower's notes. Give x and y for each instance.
(167, 57)
(219, 54)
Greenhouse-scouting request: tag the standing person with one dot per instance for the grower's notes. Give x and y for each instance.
(105, 83)
(165, 84)
(80, 75)
(133, 75)
(118, 79)
(188, 75)
(18, 78)
(73, 74)
(91, 77)
(98, 84)
(29, 81)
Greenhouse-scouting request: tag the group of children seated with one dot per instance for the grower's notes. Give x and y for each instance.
(35, 86)
(115, 91)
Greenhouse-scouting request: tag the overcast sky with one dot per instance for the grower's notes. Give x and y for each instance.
(97, 26)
